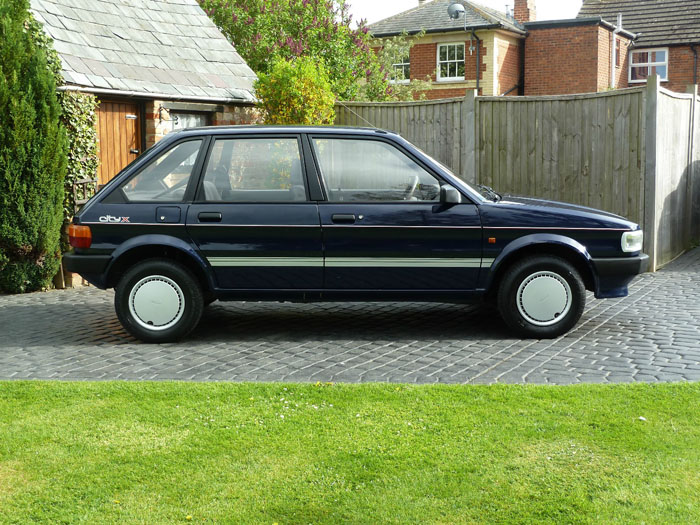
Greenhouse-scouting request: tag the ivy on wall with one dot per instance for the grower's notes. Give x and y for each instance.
(79, 118)
(79, 113)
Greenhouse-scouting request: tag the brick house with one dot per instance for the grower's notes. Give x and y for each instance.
(575, 56)
(667, 38)
(154, 66)
(591, 53)
(486, 57)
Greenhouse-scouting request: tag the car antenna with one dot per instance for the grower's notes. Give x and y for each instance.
(357, 115)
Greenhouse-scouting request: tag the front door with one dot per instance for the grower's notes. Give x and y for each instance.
(119, 136)
(252, 218)
(384, 227)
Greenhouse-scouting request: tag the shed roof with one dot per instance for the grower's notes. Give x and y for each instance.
(656, 22)
(432, 18)
(149, 47)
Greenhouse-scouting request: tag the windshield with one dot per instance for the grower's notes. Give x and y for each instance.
(476, 192)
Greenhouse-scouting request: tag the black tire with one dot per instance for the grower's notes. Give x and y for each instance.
(537, 284)
(164, 291)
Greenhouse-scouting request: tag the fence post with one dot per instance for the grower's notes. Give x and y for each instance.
(690, 168)
(651, 212)
(469, 137)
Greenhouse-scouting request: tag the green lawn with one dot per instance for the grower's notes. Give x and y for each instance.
(290, 453)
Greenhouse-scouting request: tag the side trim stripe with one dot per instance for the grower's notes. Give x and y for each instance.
(352, 262)
(267, 261)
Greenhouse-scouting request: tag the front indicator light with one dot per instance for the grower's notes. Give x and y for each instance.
(79, 236)
(632, 241)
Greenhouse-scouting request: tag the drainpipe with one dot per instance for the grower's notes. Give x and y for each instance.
(478, 56)
(694, 49)
(617, 29)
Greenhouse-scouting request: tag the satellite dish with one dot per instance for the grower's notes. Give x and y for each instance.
(455, 11)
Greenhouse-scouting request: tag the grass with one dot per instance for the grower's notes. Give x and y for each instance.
(290, 453)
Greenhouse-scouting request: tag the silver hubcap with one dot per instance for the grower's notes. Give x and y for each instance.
(544, 298)
(156, 302)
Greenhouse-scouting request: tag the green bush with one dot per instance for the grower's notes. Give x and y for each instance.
(32, 157)
(296, 91)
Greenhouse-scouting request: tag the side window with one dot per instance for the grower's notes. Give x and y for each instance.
(369, 170)
(254, 170)
(165, 179)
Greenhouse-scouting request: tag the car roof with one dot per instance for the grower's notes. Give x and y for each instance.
(258, 129)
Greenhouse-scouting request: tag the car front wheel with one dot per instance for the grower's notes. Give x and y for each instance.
(158, 301)
(542, 297)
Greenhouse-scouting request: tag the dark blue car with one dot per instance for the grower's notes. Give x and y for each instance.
(334, 214)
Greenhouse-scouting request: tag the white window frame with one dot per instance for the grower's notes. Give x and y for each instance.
(439, 77)
(647, 64)
(402, 65)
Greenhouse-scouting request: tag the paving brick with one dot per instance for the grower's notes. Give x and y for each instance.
(652, 335)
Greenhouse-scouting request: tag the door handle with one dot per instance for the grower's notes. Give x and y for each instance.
(209, 216)
(340, 218)
(134, 151)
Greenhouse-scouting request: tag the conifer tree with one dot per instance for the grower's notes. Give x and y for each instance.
(32, 157)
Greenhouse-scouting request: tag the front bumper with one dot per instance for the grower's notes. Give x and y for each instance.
(613, 274)
(90, 267)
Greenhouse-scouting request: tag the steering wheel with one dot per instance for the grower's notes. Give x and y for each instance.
(412, 188)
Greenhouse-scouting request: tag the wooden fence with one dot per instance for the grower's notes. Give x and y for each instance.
(591, 149)
(436, 127)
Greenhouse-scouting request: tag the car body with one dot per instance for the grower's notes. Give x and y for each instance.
(335, 214)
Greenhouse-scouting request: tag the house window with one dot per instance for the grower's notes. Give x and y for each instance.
(402, 71)
(645, 62)
(450, 62)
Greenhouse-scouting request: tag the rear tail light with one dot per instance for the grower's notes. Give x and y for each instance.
(79, 236)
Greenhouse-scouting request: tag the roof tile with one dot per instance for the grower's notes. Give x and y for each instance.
(147, 46)
(656, 22)
(432, 18)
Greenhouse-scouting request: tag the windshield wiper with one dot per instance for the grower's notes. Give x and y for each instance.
(489, 193)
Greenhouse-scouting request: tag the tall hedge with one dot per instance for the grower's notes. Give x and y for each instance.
(32, 157)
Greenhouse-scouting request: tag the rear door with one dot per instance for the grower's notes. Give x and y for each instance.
(252, 218)
(384, 227)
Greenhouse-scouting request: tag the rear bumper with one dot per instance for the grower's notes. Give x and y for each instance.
(615, 273)
(90, 267)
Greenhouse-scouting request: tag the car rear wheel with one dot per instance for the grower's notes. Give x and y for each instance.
(158, 301)
(542, 297)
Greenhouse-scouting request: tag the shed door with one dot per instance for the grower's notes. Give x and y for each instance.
(119, 135)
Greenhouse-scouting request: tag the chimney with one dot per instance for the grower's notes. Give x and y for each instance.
(524, 11)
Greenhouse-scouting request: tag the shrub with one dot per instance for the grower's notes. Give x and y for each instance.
(263, 30)
(296, 92)
(32, 157)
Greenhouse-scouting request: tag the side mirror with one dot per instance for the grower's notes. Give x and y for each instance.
(450, 195)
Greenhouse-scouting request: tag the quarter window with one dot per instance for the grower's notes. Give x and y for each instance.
(166, 178)
(646, 62)
(372, 171)
(450, 62)
(254, 170)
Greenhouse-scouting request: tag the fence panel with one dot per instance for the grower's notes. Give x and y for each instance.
(436, 127)
(674, 174)
(582, 149)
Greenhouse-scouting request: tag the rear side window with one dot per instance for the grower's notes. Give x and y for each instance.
(371, 170)
(254, 170)
(166, 178)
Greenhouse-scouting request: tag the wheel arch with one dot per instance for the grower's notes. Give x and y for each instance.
(158, 246)
(542, 244)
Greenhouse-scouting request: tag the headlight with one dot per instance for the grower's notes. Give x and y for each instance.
(632, 241)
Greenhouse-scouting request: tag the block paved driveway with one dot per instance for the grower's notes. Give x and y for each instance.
(652, 335)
